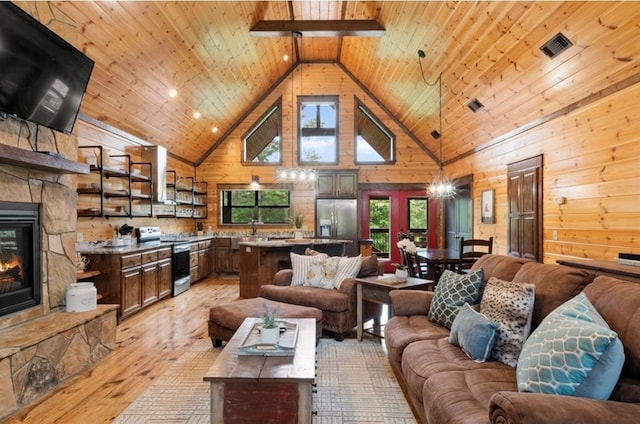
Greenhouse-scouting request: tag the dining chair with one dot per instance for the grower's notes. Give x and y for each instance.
(469, 254)
(415, 268)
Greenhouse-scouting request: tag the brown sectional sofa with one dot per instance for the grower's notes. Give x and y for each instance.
(338, 305)
(445, 386)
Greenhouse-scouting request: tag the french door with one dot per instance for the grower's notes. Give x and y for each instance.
(386, 213)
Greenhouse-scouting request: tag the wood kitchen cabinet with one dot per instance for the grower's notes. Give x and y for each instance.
(337, 184)
(204, 259)
(223, 263)
(133, 280)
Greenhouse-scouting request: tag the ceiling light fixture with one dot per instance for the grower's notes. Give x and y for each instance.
(439, 188)
(296, 175)
(196, 114)
(173, 92)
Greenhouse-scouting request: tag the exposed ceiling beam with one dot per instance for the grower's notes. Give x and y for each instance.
(343, 28)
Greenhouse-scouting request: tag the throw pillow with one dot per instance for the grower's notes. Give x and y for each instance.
(322, 272)
(348, 267)
(511, 306)
(300, 265)
(473, 333)
(452, 291)
(572, 352)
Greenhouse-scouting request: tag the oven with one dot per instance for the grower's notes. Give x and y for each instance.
(180, 268)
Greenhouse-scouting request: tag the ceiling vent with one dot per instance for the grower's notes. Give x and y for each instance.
(435, 134)
(556, 45)
(475, 105)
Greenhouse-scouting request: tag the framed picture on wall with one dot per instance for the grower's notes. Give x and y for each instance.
(487, 207)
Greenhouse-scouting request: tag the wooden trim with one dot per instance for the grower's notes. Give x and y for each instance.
(318, 28)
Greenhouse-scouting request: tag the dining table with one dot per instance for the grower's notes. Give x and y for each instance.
(437, 260)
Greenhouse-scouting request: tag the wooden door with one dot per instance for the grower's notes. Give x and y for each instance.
(459, 214)
(525, 208)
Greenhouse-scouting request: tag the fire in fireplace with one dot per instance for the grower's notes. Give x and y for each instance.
(20, 285)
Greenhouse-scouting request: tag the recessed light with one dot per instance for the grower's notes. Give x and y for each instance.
(214, 129)
(285, 57)
(173, 93)
(196, 114)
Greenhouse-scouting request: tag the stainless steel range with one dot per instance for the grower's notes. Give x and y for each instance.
(181, 278)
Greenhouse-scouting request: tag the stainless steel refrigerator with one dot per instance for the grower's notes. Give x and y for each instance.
(338, 219)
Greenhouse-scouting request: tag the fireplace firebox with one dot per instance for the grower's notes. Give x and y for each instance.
(20, 285)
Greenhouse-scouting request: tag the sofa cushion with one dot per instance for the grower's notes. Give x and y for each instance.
(322, 272)
(348, 267)
(572, 352)
(400, 331)
(555, 284)
(510, 305)
(300, 264)
(452, 291)
(326, 300)
(368, 266)
(474, 333)
(499, 266)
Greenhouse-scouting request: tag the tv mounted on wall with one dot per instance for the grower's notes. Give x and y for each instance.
(42, 77)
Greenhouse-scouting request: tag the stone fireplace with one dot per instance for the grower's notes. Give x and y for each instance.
(41, 345)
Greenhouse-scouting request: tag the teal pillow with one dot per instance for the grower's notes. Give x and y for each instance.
(572, 352)
(473, 333)
(452, 291)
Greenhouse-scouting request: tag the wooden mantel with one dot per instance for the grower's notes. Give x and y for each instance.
(41, 161)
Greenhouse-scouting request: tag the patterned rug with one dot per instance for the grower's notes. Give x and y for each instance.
(355, 384)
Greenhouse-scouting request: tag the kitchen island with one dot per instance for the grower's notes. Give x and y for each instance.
(259, 260)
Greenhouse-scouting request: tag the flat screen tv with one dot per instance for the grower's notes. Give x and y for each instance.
(42, 77)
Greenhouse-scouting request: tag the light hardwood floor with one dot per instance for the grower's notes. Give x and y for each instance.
(147, 344)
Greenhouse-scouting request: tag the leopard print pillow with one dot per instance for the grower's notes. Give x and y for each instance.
(510, 305)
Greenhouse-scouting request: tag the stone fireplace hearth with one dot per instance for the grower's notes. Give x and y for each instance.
(43, 345)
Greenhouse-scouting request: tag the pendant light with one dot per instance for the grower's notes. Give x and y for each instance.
(439, 188)
(296, 175)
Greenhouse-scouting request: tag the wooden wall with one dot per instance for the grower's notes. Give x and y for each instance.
(591, 157)
(223, 165)
(96, 228)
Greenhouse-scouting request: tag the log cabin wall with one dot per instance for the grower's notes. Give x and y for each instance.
(98, 228)
(223, 166)
(591, 158)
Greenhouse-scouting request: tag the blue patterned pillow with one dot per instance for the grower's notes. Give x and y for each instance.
(572, 352)
(452, 291)
(473, 333)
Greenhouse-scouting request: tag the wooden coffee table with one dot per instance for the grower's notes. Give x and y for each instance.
(264, 389)
(376, 290)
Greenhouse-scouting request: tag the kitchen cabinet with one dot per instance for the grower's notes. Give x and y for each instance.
(193, 262)
(204, 259)
(337, 184)
(133, 280)
(223, 263)
(114, 190)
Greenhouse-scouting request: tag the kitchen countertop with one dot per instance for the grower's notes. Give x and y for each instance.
(133, 248)
(291, 242)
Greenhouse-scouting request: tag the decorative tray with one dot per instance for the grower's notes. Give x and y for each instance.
(391, 279)
(286, 346)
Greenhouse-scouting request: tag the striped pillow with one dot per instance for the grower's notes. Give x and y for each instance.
(301, 264)
(348, 267)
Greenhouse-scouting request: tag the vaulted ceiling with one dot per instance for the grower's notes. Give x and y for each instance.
(488, 51)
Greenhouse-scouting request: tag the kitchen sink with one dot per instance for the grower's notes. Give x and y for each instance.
(236, 240)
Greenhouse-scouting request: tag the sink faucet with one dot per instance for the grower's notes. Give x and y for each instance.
(252, 224)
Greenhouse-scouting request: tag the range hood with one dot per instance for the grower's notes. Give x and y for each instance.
(157, 156)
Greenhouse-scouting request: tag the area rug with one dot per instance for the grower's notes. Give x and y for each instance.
(355, 384)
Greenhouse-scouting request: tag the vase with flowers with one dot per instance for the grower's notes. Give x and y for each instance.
(270, 329)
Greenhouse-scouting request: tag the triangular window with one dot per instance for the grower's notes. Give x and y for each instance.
(263, 142)
(374, 142)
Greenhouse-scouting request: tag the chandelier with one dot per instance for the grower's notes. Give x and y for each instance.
(293, 174)
(439, 188)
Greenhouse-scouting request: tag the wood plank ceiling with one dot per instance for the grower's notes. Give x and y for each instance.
(484, 50)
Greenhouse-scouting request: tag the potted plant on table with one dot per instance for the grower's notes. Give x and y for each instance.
(297, 222)
(408, 246)
(270, 329)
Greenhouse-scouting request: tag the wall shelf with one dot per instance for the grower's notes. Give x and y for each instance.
(25, 158)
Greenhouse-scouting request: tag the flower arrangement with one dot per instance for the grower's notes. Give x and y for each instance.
(269, 316)
(408, 246)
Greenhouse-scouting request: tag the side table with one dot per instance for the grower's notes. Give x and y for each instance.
(376, 290)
